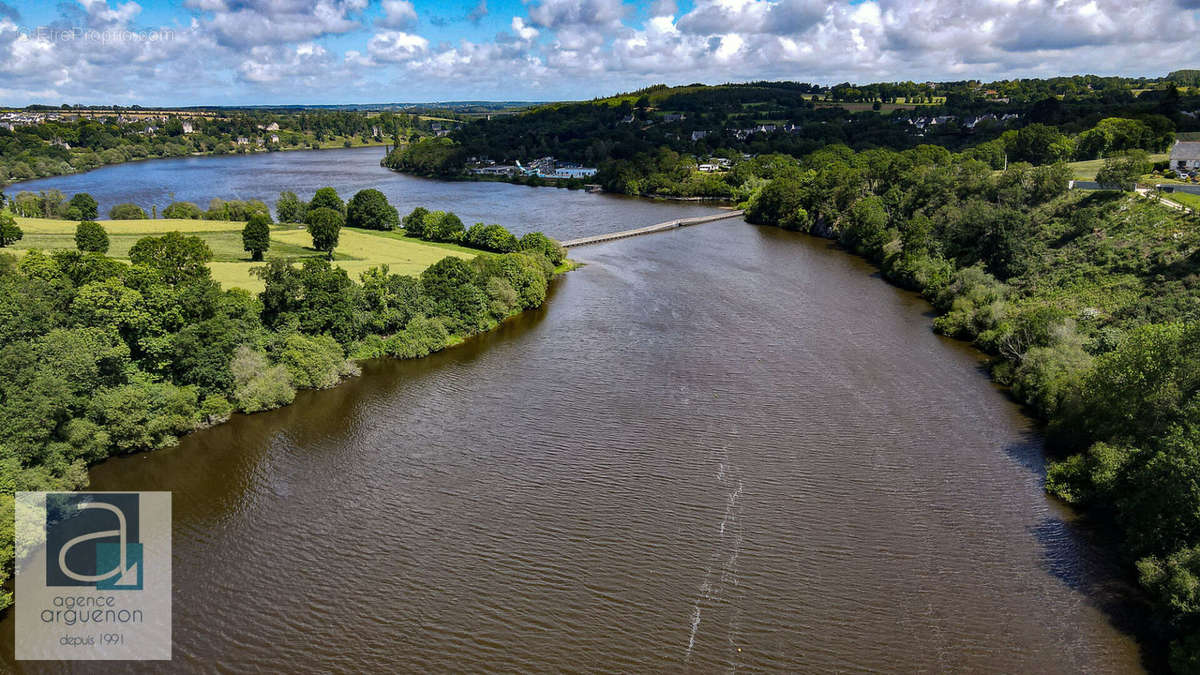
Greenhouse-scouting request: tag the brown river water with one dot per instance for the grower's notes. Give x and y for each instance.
(721, 448)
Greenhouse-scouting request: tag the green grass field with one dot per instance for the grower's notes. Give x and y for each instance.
(1186, 198)
(357, 250)
(1086, 170)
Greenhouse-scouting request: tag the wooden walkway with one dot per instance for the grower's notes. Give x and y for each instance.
(669, 225)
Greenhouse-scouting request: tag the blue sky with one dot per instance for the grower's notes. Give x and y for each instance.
(198, 52)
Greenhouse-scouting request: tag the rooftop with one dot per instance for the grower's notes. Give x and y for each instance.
(1185, 150)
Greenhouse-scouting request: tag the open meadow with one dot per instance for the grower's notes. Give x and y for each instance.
(357, 250)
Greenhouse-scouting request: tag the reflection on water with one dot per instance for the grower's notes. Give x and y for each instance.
(718, 448)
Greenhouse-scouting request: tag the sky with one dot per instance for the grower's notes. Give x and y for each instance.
(273, 52)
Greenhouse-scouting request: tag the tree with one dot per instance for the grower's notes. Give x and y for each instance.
(327, 198)
(88, 208)
(491, 238)
(183, 210)
(127, 212)
(443, 226)
(1123, 172)
(289, 208)
(325, 226)
(1038, 144)
(256, 236)
(177, 257)
(91, 236)
(9, 232)
(536, 241)
(414, 223)
(450, 282)
(370, 209)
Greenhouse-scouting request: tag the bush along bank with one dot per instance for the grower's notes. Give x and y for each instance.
(1089, 304)
(102, 357)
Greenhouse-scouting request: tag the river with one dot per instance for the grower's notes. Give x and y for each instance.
(564, 213)
(720, 448)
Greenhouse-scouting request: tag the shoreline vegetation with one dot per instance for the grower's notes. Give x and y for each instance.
(1088, 305)
(62, 143)
(105, 356)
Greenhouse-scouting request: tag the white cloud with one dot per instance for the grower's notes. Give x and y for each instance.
(522, 30)
(245, 51)
(396, 46)
(250, 23)
(557, 13)
(399, 14)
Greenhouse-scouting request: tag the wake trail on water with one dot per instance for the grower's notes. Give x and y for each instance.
(720, 582)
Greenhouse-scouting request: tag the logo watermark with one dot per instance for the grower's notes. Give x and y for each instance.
(93, 575)
(105, 36)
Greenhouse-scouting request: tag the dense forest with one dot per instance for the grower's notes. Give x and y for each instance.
(650, 142)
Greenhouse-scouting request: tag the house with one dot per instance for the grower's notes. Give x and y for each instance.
(708, 168)
(697, 135)
(1185, 156)
(574, 172)
(275, 138)
(273, 126)
(187, 128)
(674, 117)
(242, 140)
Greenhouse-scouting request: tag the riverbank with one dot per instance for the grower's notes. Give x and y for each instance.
(328, 145)
(568, 184)
(733, 421)
(176, 353)
(1067, 294)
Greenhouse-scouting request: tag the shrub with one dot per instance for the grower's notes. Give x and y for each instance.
(973, 303)
(144, 416)
(316, 362)
(257, 385)
(419, 338)
(214, 410)
(183, 210)
(126, 212)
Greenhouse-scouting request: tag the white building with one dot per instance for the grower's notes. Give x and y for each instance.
(574, 172)
(1185, 156)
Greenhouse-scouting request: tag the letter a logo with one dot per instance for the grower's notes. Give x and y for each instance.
(92, 539)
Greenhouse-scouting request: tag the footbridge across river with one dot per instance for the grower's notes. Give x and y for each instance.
(669, 225)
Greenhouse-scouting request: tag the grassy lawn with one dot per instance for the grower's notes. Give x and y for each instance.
(1086, 170)
(1186, 198)
(357, 250)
